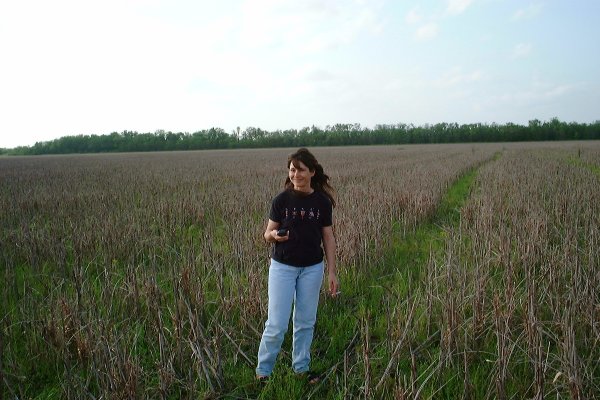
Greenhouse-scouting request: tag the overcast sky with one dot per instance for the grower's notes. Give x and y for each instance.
(94, 67)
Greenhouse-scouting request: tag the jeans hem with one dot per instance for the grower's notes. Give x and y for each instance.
(301, 372)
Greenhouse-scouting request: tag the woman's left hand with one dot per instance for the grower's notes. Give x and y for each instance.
(333, 284)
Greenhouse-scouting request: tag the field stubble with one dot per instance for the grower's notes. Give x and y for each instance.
(144, 275)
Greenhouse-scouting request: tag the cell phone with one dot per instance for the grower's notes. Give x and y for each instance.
(282, 232)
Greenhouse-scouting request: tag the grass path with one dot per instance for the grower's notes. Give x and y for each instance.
(578, 162)
(352, 342)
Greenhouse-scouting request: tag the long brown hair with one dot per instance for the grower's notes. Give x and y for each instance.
(320, 181)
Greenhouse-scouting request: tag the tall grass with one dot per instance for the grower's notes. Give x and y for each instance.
(144, 275)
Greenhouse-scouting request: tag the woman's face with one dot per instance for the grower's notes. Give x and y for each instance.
(300, 176)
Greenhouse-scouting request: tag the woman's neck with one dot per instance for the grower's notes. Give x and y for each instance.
(304, 190)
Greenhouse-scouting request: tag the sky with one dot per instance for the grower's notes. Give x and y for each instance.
(79, 67)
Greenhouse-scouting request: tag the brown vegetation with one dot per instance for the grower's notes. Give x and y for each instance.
(144, 275)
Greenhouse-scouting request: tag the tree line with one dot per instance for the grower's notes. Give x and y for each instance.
(331, 135)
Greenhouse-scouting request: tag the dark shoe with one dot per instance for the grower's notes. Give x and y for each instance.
(262, 380)
(312, 378)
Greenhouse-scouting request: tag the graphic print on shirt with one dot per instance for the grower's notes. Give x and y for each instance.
(312, 214)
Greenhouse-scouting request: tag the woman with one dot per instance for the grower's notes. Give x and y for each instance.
(300, 221)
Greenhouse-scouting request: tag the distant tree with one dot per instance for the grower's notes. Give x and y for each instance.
(339, 134)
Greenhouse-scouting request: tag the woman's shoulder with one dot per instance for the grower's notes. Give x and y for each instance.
(281, 196)
(322, 196)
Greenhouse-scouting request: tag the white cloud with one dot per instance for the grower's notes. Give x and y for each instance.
(534, 95)
(427, 31)
(429, 24)
(306, 26)
(536, 98)
(456, 76)
(413, 17)
(558, 91)
(522, 50)
(319, 75)
(458, 6)
(526, 13)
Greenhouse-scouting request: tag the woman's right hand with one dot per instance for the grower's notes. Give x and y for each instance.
(271, 232)
(278, 238)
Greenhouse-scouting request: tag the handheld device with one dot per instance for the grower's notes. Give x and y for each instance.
(282, 232)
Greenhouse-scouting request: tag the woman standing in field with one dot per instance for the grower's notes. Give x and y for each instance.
(300, 221)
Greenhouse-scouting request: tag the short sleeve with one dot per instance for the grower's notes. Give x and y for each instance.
(275, 213)
(328, 213)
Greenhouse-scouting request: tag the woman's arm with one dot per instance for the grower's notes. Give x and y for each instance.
(330, 249)
(271, 233)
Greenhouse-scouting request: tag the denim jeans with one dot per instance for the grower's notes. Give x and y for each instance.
(287, 285)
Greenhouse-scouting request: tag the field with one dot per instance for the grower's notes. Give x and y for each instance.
(467, 271)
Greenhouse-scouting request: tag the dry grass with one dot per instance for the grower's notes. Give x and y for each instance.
(144, 275)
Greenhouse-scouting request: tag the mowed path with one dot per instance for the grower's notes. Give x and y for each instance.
(355, 331)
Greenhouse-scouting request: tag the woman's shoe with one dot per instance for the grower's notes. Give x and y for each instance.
(262, 379)
(312, 378)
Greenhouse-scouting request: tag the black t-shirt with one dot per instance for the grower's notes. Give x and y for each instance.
(303, 216)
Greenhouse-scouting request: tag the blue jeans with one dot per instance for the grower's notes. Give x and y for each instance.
(287, 285)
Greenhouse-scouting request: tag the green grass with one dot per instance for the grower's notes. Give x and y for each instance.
(578, 162)
(370, 294)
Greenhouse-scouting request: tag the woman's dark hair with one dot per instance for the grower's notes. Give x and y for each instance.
(320, 181)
